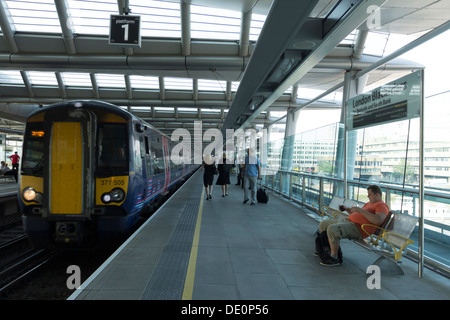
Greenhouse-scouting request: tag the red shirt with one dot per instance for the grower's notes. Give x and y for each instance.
(14, 158)
(359, 219)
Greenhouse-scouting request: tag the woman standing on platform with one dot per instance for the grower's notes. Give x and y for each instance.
(209, 168)
(224, 175)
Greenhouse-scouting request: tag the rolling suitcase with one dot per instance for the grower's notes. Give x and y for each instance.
(261, 195)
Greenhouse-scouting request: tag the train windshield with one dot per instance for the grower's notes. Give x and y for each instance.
(33, 149)
(112, 150)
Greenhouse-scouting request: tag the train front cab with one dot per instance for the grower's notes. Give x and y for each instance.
(75, 170)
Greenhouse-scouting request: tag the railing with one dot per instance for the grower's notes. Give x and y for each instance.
(306, 189)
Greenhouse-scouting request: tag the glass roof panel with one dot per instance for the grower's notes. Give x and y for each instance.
(308, 93)
(42, 78)
(110, 80)
(396, 41)
(212, 85)
(76, 79)
(186, 109)
(214, 23)
(256, 26)
(235, 86)
(34, 15)
(91, 17)
(178, 84)
(351, 38)
(376, 43)
(144, 82)
(10, 77)
(158, 18)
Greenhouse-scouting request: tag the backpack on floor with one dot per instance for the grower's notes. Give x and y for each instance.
(323, 246)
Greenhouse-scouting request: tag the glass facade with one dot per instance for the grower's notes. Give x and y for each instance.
(386, 155)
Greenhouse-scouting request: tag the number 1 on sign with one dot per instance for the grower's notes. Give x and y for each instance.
(125, 32)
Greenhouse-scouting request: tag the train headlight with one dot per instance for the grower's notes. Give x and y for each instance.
(29, 195)
(115, 195)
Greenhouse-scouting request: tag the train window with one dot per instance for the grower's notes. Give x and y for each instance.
(112, 150)
(147, 147)
(141, 142)
(33, 149)
(157, 155)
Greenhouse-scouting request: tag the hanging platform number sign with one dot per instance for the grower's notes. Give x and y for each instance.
(125, 30)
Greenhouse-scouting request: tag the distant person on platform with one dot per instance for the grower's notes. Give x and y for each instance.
(15, 161)
(252, 173)
(223, 180)
(209, 170)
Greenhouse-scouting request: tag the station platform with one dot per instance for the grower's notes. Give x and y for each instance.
(222, 249)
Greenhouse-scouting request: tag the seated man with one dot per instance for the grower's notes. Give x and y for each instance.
(373, 212)
(4, 168)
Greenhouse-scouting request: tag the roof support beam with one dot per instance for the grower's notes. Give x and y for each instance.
(359, 44)
(245, 33)
(162, 90)
(61, 86)
(228, 95)
(195, 89)
(66, 25)
(185, 9)
(128, 87)
(27, 83)
(8, 28)
(94, 86)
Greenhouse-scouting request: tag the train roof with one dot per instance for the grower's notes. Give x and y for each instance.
(98, 105)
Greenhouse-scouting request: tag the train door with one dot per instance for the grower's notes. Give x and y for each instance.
(69, 173)
(66, 173)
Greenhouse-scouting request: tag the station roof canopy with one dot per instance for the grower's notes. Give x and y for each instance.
(230, 64)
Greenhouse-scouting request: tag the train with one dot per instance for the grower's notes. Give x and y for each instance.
(89, 172)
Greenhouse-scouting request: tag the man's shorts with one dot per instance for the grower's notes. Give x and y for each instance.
(338, 229)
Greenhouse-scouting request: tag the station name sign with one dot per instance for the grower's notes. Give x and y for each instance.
(397, 100)
(125, 30)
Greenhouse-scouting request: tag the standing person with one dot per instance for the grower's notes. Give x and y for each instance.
(209, 168)
(224, 175)
(15, 161)
(252, 172)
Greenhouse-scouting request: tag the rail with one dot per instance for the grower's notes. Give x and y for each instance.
(308, 188)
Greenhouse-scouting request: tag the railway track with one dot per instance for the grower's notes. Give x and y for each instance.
(23, 266)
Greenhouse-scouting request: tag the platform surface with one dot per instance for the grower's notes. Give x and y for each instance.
(222, 249)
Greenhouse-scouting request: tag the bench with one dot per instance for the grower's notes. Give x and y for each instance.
(389, 240)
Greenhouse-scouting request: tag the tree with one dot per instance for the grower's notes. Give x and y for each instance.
(399, 169)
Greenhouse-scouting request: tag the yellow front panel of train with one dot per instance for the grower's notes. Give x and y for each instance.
(66, 168)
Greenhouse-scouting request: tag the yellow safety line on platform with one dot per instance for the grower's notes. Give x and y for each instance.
(190, 274)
